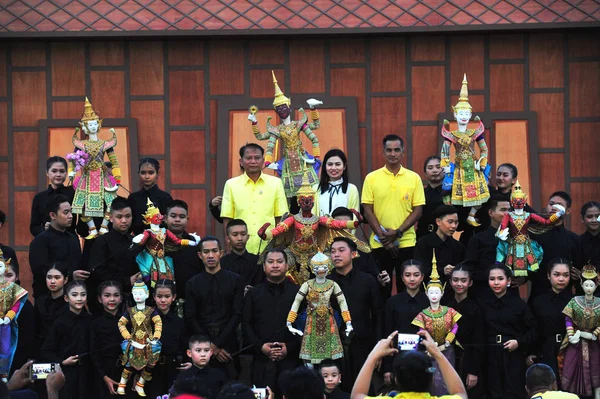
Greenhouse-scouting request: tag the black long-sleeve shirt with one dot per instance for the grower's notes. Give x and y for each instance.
(48, 247)
(266, 307)
(214, 301)
(111, 259)
(38, 208)
(401, 309)
(481, 250)
(547, 309)
(558, 242)
(47, 310)
(399, 312)
(139, 204)
(470, 335)
(186, 264)
(105, 344)
(589, 248)
(69, 336)
(209, 379)
(245, 265)
(174, 336)
(433, 199)
(215, 211)
(365, 262)
(364, 302)
(448, 252)
(509, 317)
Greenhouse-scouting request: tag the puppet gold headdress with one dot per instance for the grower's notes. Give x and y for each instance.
(518, 193)
(305, 189)
(320, 259)
(589, 272)
(151, 210)
(434, 279)
(88, 113)
(3, 259)
(280, 98)
(463, 98)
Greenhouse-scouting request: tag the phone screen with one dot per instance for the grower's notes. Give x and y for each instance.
(40, 371)
(408, 342)
(260, 393)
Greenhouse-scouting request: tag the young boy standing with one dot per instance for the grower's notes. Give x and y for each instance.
(210, 379)
(332, 377)
(239, 260)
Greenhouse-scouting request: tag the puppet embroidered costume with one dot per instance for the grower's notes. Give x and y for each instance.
(304, 234)
(153, 263)
(441, 322)
(469, 182)
(321, 339)
(294, 155)
(95, 188)
(516, 249)
(12, 299)
(141, 347)
(581, 371)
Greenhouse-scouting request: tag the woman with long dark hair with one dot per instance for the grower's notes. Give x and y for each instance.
(334, 189)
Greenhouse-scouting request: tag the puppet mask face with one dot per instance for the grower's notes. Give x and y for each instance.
(519, 203)
(156, 219)
(139, 295)
(320, 270)
(434, 294)
(91, 127)
(2, 269)
(283, 111)
(589, 287)
(463, 116)
(306, 203)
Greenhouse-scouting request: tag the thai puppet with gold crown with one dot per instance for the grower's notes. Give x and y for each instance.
(580, 349)
(141, 328)
(291, 166)
(154, 265)
(304, 234)
(95, 187)
(516, 249)
(469, 173)
(441, 322)
(320, 339)
(12, 299)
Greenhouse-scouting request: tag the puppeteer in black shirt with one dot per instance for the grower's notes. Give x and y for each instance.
(213, 306)
(49, 247)
(39, 218)
(364, 302)
(112, 259)
(447, 252)
(246, 266)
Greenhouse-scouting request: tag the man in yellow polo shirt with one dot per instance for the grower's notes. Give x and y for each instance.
(393, 198)
(254, 197)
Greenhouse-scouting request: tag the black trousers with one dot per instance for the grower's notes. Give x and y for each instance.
(505, 377)
(478, 392)
(389, 264)
(359, 350)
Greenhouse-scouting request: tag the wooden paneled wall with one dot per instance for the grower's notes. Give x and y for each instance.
(173, 88)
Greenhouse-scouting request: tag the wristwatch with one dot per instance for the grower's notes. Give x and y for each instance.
(399, 233)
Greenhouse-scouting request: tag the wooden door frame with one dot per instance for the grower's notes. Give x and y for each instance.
(228, 104)
(47, 124)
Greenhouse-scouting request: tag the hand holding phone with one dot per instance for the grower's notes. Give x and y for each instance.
(40, 371)
(409, 342)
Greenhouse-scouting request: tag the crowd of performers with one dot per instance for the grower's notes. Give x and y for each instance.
(144, 306)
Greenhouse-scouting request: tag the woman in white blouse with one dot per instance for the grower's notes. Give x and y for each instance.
(334, 190)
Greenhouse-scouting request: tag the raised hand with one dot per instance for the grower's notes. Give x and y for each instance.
(262, 230)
